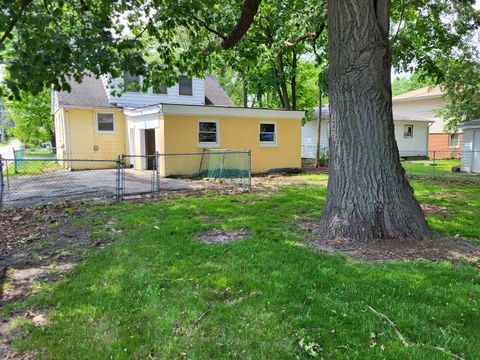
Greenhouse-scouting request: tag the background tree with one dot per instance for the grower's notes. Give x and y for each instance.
(461, 83)
(33, 123)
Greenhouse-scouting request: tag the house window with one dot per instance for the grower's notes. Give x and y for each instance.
(208, 133)
(453, 140)
(105, 122)
(160, 89)
(268, 133)
(132, 82)
(408, 131)
(185, 86)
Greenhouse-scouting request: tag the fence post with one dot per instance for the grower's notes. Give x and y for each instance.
(1, 181)
(119, 180)
(157, 172)
(15, 161)
(122, 175)
(434, 164)
(250, 169)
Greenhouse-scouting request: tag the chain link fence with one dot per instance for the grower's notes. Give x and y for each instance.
(33, 180)
(451, 165)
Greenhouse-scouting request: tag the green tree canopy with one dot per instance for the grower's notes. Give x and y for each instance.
(33, 123)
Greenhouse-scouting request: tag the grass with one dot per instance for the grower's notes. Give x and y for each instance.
(36, 167)
(159, 293)
(40, 153)
(442, 169)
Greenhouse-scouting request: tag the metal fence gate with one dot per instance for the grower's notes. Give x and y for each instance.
(40, 180)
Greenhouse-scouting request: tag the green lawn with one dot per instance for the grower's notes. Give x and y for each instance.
(40, 153)
(157, 292)
(442, 169)
(36, 167)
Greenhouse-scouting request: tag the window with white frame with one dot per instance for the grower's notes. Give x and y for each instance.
(160, 89)
(105, 122)
(185, 86)
(208, 133)
(268, 133)
(408, 131)
(132, 82)
(453, 140)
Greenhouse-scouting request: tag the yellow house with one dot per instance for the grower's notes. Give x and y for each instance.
(179, 124)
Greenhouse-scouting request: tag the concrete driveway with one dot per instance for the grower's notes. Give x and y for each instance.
(22, 191)
(6, 151)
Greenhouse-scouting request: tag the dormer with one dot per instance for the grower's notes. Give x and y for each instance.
(188, 91)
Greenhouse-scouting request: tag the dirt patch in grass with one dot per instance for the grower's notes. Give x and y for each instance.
(40, 245)
(439, 248)
(430, 209)
(219, 236)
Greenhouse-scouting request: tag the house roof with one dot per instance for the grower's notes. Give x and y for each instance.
(398, 114)
(422, 93)
(91, 92)
(471, 123)
(215, 94)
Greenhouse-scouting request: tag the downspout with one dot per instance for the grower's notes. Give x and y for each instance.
(69, 149)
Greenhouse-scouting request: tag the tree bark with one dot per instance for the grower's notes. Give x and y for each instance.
(293, 79)
(319, 125)
(282, 82)
(245, 91)
(249, 10)
(368, 194)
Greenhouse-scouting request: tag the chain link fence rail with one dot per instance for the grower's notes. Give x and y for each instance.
(40, 180)
(451, 165)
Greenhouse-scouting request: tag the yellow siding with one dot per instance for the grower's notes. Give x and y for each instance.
(236, 133)
(86, 143)
(60, 134)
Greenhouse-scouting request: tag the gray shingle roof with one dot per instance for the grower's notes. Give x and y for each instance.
(470, 123)
(91, 93)
(215, 94)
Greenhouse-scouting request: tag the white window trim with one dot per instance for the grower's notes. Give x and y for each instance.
(268, 143)
(208, 144)
(193, 87)
(404, 136)
(114, 131)
(450, 141)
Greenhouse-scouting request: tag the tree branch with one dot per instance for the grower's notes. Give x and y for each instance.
(309, 36)
(14, 21)
(250, 9)
(206, 26)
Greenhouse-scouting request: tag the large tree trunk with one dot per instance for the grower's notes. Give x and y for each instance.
(368, 193)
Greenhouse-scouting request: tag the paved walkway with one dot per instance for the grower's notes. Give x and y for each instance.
(22, 191)
(6, 151)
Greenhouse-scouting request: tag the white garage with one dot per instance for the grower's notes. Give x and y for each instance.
(471, 146)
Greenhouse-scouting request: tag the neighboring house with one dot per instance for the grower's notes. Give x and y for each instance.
(411, 135)
(418, 129)
(195, 114)
(471, 146)
(422, 104)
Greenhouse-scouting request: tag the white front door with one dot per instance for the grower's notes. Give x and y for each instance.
(476, 152)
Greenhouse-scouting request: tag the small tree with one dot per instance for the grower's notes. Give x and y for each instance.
(33, 123)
